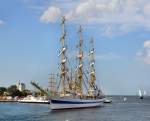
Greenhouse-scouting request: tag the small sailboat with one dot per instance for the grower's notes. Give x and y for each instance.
(76, 91)
(124, 99)
(107, 100)
(142, 93)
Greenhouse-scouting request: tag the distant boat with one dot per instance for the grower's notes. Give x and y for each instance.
(107, 100)
(124, 99)
(142, 94)
(32, 99)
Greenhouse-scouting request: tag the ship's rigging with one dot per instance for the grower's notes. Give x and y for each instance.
(74, 82)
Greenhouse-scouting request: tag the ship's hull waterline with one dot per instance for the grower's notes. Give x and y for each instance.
(58, 104)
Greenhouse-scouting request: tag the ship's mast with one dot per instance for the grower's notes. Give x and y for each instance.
(80, 63)
(92, 68)
(52, 84)
(63, 58)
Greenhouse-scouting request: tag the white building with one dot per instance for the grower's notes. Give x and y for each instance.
(21, 86)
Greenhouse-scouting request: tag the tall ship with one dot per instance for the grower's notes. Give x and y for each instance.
(76, 89)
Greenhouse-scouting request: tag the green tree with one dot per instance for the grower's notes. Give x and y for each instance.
(13, 91)
(2, 90)
(24, 93)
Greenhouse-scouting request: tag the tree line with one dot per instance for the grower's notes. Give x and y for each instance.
(13, 91)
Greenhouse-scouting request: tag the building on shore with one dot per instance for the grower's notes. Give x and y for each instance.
(21, 86)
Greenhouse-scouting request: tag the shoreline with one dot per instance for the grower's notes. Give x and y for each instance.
(3, 101)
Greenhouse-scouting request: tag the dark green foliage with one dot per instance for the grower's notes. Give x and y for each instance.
(2, 90)
(13, 91)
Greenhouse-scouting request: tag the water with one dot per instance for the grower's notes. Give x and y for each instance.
(133, 109)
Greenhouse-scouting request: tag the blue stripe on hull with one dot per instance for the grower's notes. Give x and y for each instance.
(71, 102)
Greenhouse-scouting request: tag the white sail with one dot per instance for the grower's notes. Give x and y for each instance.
(140, 93)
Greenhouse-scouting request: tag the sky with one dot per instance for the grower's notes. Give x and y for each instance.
(30, 32)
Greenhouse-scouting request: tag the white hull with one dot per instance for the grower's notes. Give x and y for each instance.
(34, 101)
(57, 104)
(31, 99)
(106, 100)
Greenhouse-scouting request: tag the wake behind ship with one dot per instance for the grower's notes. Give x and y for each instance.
(76, 89)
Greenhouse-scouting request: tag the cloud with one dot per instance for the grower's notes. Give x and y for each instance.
(106, 11)
(108, 31)
(147, 9)
(51, 15)
(147, 51)
(144, 54)
(147, 44)
(122, 16)
(147, 58)
(2, 22)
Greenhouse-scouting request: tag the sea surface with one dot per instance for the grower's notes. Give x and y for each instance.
(133, 109)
